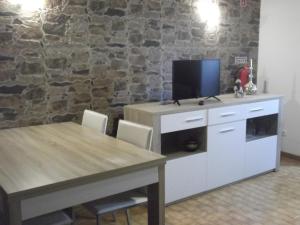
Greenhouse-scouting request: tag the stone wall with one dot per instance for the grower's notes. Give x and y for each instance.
(102, 54)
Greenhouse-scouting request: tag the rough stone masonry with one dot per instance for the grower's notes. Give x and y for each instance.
(103, 54)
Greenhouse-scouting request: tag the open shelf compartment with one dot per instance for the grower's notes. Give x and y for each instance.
(176, 144)
(262, 127)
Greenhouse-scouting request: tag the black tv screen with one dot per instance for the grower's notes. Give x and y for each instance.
(209, 85)
(186, 79)
(196, 78)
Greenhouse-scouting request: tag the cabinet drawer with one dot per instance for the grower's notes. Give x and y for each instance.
(183, 121)
(226, 114)
(185, 176)
(262, 108)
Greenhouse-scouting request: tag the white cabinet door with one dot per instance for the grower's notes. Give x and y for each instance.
(261, 155)
(226, 153)
(185, 176)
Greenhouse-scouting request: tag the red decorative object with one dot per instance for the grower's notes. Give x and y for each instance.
(244, 75)
(243, 3)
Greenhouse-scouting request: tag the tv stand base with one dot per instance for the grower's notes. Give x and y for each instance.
(176, 102)
(201, 102)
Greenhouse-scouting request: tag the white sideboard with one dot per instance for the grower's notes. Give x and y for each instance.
(237, 139)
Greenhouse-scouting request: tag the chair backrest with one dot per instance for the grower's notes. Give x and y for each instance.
(95, 120)
(136, 134)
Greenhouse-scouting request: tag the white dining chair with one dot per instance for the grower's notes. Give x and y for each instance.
(134, 133)
(140, 136)
(56, 218)
(95, 120)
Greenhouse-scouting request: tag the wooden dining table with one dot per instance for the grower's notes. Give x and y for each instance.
(47, 168)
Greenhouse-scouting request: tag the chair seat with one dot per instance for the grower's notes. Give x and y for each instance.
(116, 202)
(57, 218)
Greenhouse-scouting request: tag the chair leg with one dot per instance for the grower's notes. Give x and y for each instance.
(98, 219)
(128, 217)
(73, 215)
(114, 216)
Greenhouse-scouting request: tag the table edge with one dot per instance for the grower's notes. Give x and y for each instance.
(83, 180)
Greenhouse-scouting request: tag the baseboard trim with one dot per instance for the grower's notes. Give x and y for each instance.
(291, 156)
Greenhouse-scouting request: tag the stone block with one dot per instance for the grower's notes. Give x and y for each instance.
(151, 43)
(82, 72)
(118, 25)
(56, 18)
(97, 29)
(63, 118)
(120, 85)
(78, 2)
(101, 92)
(199, 33)
(81, 56)
(5, 13)
(54, 3)
(183, 35)
(31, 68)
(56, 63)
(14, 89)
(35, 93)
(59, 106)
(6, 37)
(135, 38)
(138, 88)
(7, 75)
(115, 12)
(118, 64)
(75, 10)
(169, 12)
(15, 100)
(97, 6)
(82, 98)
(30, 30)
(154, 5)
(8, 114)
(137, 60)
(136, 9)
(6, 58)
(118, 3)
(54, 28)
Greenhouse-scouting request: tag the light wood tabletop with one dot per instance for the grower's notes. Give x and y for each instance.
(49, 156)
(52, 167)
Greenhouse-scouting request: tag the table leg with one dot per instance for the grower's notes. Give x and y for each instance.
(14, 215)
(156, 200)
(4, 212)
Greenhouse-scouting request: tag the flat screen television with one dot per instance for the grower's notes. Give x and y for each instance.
(209, 85)
(185, 79)
(196, 78)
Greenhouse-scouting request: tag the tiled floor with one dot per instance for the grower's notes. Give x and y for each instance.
(272, 199)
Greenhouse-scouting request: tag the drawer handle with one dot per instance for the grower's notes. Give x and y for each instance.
(194, 119)
(228, 114)
(256, 109)
(227, 130)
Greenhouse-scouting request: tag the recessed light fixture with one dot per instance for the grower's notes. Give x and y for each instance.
(29, 5)
(209, 12)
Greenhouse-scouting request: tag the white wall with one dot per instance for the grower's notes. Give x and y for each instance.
(279, 62)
